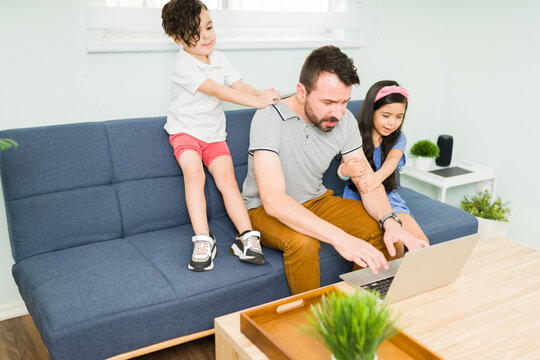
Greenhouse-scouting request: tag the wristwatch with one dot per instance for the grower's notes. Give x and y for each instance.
(392, 215)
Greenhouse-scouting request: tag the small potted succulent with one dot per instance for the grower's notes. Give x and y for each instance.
(493, 215)
(352, 326)
(425, 152)
(7, 143)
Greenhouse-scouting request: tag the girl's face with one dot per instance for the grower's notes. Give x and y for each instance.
(207, 39)
(388, 118)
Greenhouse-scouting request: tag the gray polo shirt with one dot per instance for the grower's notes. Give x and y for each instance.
(305, 151)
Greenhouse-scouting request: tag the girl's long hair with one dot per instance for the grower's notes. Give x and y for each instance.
(365, 124)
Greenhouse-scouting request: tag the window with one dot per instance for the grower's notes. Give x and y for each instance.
(135, 25)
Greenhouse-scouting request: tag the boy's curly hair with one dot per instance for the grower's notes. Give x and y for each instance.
(181, 20)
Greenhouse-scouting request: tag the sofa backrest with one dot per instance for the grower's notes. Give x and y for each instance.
(74, 184)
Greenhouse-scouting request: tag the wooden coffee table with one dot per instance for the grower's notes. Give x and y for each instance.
(491, 312)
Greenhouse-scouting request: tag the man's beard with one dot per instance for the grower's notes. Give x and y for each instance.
(316, 121)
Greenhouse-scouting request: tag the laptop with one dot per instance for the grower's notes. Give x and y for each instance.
(418, 271)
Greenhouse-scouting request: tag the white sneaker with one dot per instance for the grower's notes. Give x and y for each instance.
(247, 246)
(204, 252)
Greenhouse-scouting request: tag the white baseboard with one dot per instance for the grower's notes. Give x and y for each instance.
(12, 310)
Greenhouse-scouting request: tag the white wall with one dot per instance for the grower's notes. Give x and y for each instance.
(469, 66)
(493, 73)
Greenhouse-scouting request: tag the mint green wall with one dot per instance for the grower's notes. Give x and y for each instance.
(470, 67)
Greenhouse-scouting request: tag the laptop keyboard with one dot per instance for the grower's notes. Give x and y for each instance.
(381, 286)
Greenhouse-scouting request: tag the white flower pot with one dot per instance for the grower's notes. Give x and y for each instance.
(492, 228)
(423, 163)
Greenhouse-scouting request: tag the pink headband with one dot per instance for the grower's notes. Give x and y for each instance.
(387, 90)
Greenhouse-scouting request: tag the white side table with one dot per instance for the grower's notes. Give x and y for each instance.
(479, 173)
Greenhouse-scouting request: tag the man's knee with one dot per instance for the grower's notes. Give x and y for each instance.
(302, 245)
(400, 250)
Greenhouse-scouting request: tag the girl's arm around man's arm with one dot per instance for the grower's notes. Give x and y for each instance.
(371, 179)
(387, 168)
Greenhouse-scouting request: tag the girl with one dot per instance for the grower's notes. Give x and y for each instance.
(380, 121)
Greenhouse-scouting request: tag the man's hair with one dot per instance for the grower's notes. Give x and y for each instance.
(328, 59)
(181, 20)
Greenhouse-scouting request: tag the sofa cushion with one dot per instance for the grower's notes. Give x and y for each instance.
(140, 149)
(152, 204)
(170, 250)
(88, 282)
(57, 188)
(63, 219)
(55, 158)
(124, 331)
(139, 291)
(238, 125)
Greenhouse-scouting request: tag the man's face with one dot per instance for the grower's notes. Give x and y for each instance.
(325, 105)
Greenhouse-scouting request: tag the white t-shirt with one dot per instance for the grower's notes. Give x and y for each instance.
(194, 112)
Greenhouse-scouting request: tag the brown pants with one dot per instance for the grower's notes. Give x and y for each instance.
(301, 252)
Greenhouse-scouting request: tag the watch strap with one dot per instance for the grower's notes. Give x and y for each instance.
(385, 217)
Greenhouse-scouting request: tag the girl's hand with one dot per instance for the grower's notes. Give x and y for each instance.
(367, 183)
(355, 167)
(267, 97)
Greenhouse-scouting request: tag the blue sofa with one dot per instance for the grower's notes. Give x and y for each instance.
(101, 236)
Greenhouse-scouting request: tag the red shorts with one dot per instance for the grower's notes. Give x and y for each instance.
(207, 151)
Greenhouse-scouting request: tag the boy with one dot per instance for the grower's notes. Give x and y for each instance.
(203, 78)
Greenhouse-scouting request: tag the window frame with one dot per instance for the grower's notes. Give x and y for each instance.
(349, 29)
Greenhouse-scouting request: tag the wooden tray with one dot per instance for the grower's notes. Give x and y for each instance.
(278, 330)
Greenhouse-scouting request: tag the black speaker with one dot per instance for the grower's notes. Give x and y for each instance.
(445, 143)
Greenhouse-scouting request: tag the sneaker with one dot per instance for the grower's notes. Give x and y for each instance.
(204, 252)
(247, 246)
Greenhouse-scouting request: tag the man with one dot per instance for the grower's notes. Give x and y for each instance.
(291, 145)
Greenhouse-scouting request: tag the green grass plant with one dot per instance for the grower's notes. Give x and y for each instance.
(481, 205)
(425, 148)
(352, 326)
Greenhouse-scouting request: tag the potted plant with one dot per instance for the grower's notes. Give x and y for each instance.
(352, 326)
(7, 143)
(493, 216)
(424, 151)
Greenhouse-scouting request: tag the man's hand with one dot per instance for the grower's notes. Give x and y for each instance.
(361, 252)
(394, 233)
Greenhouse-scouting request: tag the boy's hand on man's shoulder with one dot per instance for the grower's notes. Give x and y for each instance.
(267, 97)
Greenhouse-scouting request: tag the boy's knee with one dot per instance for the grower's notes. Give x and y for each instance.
(193, 174)
(226, 183)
